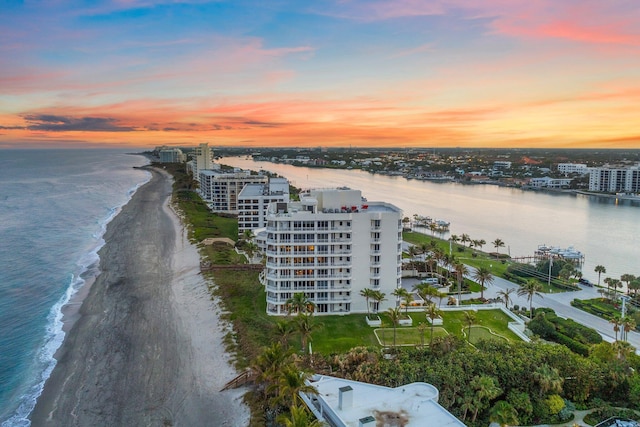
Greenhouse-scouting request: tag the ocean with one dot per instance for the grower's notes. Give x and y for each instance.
(54, 208)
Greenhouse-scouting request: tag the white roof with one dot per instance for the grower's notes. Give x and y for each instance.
(417, 402)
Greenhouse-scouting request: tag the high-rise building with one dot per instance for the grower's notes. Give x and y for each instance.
(220, 190)
(171, 155)
(615, 179)
(331, 245)
(254, 199)
(202, 159)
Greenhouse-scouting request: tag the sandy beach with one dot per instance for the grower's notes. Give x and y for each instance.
(146, 348)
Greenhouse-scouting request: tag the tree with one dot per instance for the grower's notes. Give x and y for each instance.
(292, 382)
(305, 327)
(600, 269)
(498, 244)
(608, 281)
(367, 293)
(530, 288)
(464, 239)
(548, 380)
(634, 286)
(486, 389)
(298, 416)
(461, 271)
(378, 297)
(616, 322)
(504, 414)
(469, 318)
(394, 316)
(628, 324)
(627, 278)
(426, 291)
(506, 296)
(481, 243)
(483, 275)
(283, 330)
(299, 303)
(268, 364)
(401, 295)
(433, 313)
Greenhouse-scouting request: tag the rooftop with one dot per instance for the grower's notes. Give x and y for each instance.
(411, 405)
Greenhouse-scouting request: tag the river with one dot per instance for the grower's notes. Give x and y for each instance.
(605, 230)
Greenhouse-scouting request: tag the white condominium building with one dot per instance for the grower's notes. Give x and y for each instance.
(567, 168)
(254, 200)
(331, 245)
(220, 190)
(171, 155)
(614, 179)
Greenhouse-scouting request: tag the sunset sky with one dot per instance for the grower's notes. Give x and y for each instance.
(461, 73)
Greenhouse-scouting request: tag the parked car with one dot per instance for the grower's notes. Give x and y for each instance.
(585, 282)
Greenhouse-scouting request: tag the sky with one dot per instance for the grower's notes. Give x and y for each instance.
(316, 73)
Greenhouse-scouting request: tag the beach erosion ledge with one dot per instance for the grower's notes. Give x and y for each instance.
(147, 347)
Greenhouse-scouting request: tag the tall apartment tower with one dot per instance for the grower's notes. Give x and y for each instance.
(331, 245)
(615, 179)
(202, 160)
(254, 199)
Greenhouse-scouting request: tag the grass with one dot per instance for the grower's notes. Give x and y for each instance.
(496, 320)
(408, 335)
(482, 259)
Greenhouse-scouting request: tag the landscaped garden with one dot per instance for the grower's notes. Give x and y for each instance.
(494, 379)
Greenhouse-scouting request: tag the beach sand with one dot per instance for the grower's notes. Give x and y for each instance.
(146, 348)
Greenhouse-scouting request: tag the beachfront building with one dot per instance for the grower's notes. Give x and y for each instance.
(573, 168)
(615, 179)
(547, 182)
(330, 246)
(254, 199)
(220, 189)
(171, 155)
(201, 159)
(341, 403)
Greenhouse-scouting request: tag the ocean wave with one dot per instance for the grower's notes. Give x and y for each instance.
(87, 268)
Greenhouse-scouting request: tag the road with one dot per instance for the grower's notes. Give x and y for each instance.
(560, 302)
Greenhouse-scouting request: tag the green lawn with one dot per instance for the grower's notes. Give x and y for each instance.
(466, 255)
(408, 335)
(341, 333)
(496, 320)
(483, 333)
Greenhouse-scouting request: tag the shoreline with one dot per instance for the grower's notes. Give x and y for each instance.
(146, 345)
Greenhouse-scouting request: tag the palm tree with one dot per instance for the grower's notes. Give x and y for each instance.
(454, 238)
(298, 416)
(378, 297)
(483, 275)
(627, 278)
(305, 327)
(461, 271)
(486, 389)
(283, 330)
(267, 365)
(470, 318)
(291, 382)
(628, 324)
(394, 316)
(299, 303)
(503, 414)
(425, 291)
(548, 380)
(481, 243)
(367, 293)
(498, 244)
(506, 296)
(616, 322)
(433, 313)
(530, 288)
(464, 239)
(600, 269)
(405, 295)
(634, 286)
(421, 328)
